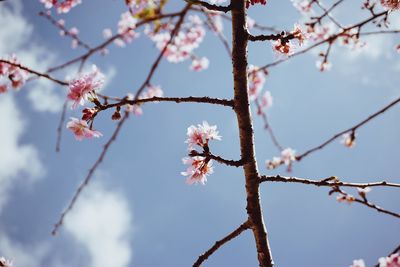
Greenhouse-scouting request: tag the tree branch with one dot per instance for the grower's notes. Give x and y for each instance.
(233, 163)
(189, 99)
(44, 75)
(209, 6)
(329, 182)
(351, 129)
(246, 136)
(203, 257)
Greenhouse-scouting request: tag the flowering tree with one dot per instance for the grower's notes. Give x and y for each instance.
(177, 31)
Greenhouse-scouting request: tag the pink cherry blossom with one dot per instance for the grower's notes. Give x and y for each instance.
(67, 5)
(323, 65)
(349, 140)
(199, 64)
(84, 85)
(272, 164)
(201, 134)
(153, 91)
(391, 4)
(135, 109)
(126, 26)
(189, 38)
(256, 82)
(5, 263)
(107, 33)
(81, 129)
(345, 198)
(266, 100)
(49, 3)
(11, 75)
(288, 155)
(391, 261)
(304, 6)
(198, 170)
(358, 263)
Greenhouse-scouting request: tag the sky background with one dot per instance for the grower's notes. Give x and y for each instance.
(138, 211)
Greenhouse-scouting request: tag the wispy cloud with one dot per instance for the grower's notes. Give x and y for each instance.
(101, 222)
(17, 38)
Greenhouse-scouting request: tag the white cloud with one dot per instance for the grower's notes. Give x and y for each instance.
(16, 38)
(17, 161)
(101, 222)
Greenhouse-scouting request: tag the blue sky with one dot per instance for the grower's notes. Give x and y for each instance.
(138, 211)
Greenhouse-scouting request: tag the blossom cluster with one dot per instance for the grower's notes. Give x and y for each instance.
(391, 261)
(391, 4)
(85, 86)
(287, 157)
(199, 166)
(81, 129)
(62, 7)
(11, 75)
(286, 46)
(186, 40)
(304, 6)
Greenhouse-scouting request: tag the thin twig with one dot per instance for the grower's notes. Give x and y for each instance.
(114, 135)
(44, 75)
(267, 125)
(89, 175)
(351, 129)
(64, 30)
(61, 126)
(189, 99)
(329, 182)
(228, 162)
(203, 257)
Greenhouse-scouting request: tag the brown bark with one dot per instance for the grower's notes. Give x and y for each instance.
(243, 113)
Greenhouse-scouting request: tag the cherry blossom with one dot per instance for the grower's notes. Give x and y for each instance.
(391, 261)
(81, 129)
(256, 82)
(266, 100)
(67, 5)
(49, 3)
(288, 155)
(391, 4)
(345, 198)
(323, 65)
(198, 170)
(349, 140)
(358, 263)
(107, 33)
(84, 86)
(11, 75)
(201, 134)
(135, 109)
(304, 6)
(126, 26)
(363, 191)
(188, 39)
(5, 263)
(199, 64)
(153, 91)
(272, 164)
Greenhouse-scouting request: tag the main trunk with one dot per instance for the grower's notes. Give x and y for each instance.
(243, 113)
